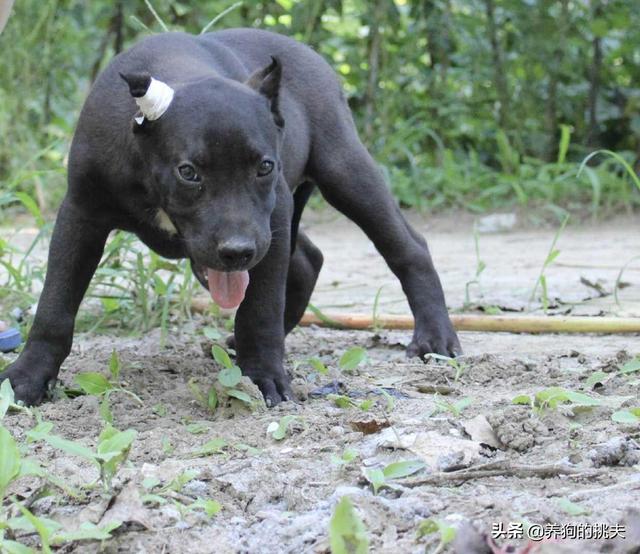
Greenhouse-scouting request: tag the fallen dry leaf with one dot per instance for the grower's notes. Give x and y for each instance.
(480, 430)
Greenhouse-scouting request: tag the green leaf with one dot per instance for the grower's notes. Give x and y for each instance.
(279, 430)
(240, 395)
(347, 457)
(341, 401)
(212, 333)
(31, 205)
(522, 399)
(210, 507)
(347, 533)
(105, 410)
(93, 383)
(316, 364)
(597, 377)
(7, 398)
(376, 477)
(582, 399)
(112, 441)
(230, 376)
(9, 460)
(572, 508)
(220, 355)
(631, 366)
(114, 365)
(70, 447)
(352, 358)
(87, 532)
(565, 138)
(197, 428)
(430, 526)
(214, 446)
(398, 470)
(12, 547)
(43, 526)
(212, 399)
(630, 417)
(31, 467)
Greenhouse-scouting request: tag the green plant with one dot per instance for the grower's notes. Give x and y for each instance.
(480, 267)
(278, 429)
(352, 358)
(159, 494)
(230, 375)
(454, 408)
(456, 363)
(374, 311)
(446, 532)
(98, 385)
(348, 456)
(397, 470)
(111, 451)
(630, 416)
(554, 397)
(346, 402)
(553, 253)
(347, 533)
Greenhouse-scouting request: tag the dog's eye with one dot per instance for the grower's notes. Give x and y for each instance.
(188, 173)
(266, 167)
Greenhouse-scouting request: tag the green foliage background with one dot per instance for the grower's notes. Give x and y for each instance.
(475, 103)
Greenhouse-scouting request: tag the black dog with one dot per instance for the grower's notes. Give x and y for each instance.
(234, 130)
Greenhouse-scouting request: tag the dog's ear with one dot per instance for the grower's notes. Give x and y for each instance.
(152, 96)
(138, 83)
(266, 81)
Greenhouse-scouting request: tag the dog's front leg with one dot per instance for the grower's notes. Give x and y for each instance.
(259, 324)
(76, 247)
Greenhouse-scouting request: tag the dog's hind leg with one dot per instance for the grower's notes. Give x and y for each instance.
(304, 268)
(349, 179)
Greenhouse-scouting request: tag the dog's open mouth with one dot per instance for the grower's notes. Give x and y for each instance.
(227, 288)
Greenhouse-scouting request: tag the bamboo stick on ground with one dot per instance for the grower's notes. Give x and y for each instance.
(466, 322)
(485, 323)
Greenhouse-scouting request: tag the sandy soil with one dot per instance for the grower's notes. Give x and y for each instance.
(278, 495)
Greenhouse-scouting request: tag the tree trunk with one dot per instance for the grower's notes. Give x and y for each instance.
(594, 90)
(373, 55)
(500, 81)
(555, 70)
(118, 21)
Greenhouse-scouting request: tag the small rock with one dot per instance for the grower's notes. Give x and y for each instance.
(336, 431)
(618, 451)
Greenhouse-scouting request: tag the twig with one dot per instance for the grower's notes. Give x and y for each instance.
(505, 469)
(158, 18)
(631, 484)
(219, 17)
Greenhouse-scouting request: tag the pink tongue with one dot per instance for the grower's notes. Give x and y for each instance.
(227, 288)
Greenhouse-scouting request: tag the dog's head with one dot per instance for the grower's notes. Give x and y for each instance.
(211, 154)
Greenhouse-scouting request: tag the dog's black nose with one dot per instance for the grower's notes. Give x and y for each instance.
(236, 253)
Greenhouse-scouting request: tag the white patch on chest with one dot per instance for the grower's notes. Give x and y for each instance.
(164, 222)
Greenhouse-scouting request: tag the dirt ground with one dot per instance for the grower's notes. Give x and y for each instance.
(487, 461)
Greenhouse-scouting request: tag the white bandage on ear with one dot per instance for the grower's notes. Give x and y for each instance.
(156, 100)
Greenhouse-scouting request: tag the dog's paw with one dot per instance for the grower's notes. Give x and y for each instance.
(29, 385)
(275, 389)
(440, 339)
